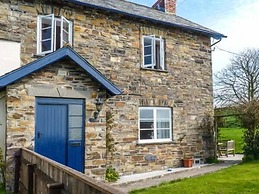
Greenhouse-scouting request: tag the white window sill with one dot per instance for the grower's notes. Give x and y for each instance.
(38, 55)
(155, 142)
(159, 70)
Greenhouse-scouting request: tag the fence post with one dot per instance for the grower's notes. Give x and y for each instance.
(17, 170)
(30, 178)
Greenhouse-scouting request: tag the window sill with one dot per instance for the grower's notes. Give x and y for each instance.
(156, 142)
(38, 55)
(158, 70)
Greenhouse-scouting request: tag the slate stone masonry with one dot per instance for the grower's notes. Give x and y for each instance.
(112, 43)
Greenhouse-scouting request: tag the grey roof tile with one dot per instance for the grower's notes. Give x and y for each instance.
(143, 12)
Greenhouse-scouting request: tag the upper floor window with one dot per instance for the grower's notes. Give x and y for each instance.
(53, 33)
(155, 124)
(153, 52)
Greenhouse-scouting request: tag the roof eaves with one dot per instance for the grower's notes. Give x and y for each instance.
(209, 33)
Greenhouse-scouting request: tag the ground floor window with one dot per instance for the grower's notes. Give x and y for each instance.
(155, 124)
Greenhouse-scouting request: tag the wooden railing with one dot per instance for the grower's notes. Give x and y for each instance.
(35, 174)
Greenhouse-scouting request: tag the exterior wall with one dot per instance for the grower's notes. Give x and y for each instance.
(2, 121)
(112, 43)
(21, 109)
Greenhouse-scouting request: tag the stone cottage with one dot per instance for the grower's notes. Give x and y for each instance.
(106, 83)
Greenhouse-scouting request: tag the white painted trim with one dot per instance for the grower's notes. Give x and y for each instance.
(153, 52)
(3, 124)
(162, 53)
(64, 20)
(152, 38)
(53, 33)
(155, 140)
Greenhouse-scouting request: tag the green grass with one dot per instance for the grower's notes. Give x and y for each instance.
(2, 191)
(239, 179)
(235, 134)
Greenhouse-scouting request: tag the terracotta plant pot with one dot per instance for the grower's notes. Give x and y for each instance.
(187, 163)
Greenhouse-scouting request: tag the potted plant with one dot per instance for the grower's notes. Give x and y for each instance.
(187, 161)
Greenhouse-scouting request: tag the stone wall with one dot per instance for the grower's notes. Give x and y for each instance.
(112, 43)
(21, 110)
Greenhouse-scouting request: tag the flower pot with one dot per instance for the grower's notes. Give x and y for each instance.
(187, 163)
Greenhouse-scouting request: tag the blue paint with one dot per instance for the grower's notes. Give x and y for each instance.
(52, 131)
(65, 52)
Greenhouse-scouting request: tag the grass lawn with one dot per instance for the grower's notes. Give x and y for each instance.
(243, 178)
(2, 191)
(235, 134)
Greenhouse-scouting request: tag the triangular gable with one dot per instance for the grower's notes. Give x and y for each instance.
(23, 71)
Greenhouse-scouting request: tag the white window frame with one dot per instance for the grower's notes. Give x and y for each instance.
(53, 26)
(153, 64)
(39, 33)
(62, 31)
(155, 139)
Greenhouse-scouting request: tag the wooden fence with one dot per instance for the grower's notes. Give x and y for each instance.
(35, 174)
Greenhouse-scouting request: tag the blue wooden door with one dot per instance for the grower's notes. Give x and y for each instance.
(59, 130)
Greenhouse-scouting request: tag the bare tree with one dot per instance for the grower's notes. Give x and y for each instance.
(239, 82)
(238, 86)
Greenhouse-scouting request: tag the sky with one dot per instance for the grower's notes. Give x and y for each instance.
(237, 19)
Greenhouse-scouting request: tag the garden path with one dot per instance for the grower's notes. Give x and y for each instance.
(144, 180)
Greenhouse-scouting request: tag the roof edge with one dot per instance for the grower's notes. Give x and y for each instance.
(215, 35)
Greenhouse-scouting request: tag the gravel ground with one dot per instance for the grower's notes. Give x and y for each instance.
(126, 187)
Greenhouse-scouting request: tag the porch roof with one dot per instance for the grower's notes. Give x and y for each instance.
(64, 52)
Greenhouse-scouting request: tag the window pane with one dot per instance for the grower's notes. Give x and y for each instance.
(66, 27)
(75, 109)
(75, 121)
(46, 34)
(162, 113)
(146, 134)
(163, 134)
(148, 60)
(46, 22)
(147, 50)
(75, 133)
(163, 124)
(157, 57)
(146, 113)
(65, 37)
(146, 124)
(147, 42)
(46, 45)
(58, 31)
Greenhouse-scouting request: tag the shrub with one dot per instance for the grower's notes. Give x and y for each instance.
(211, 160)
(111, 175)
